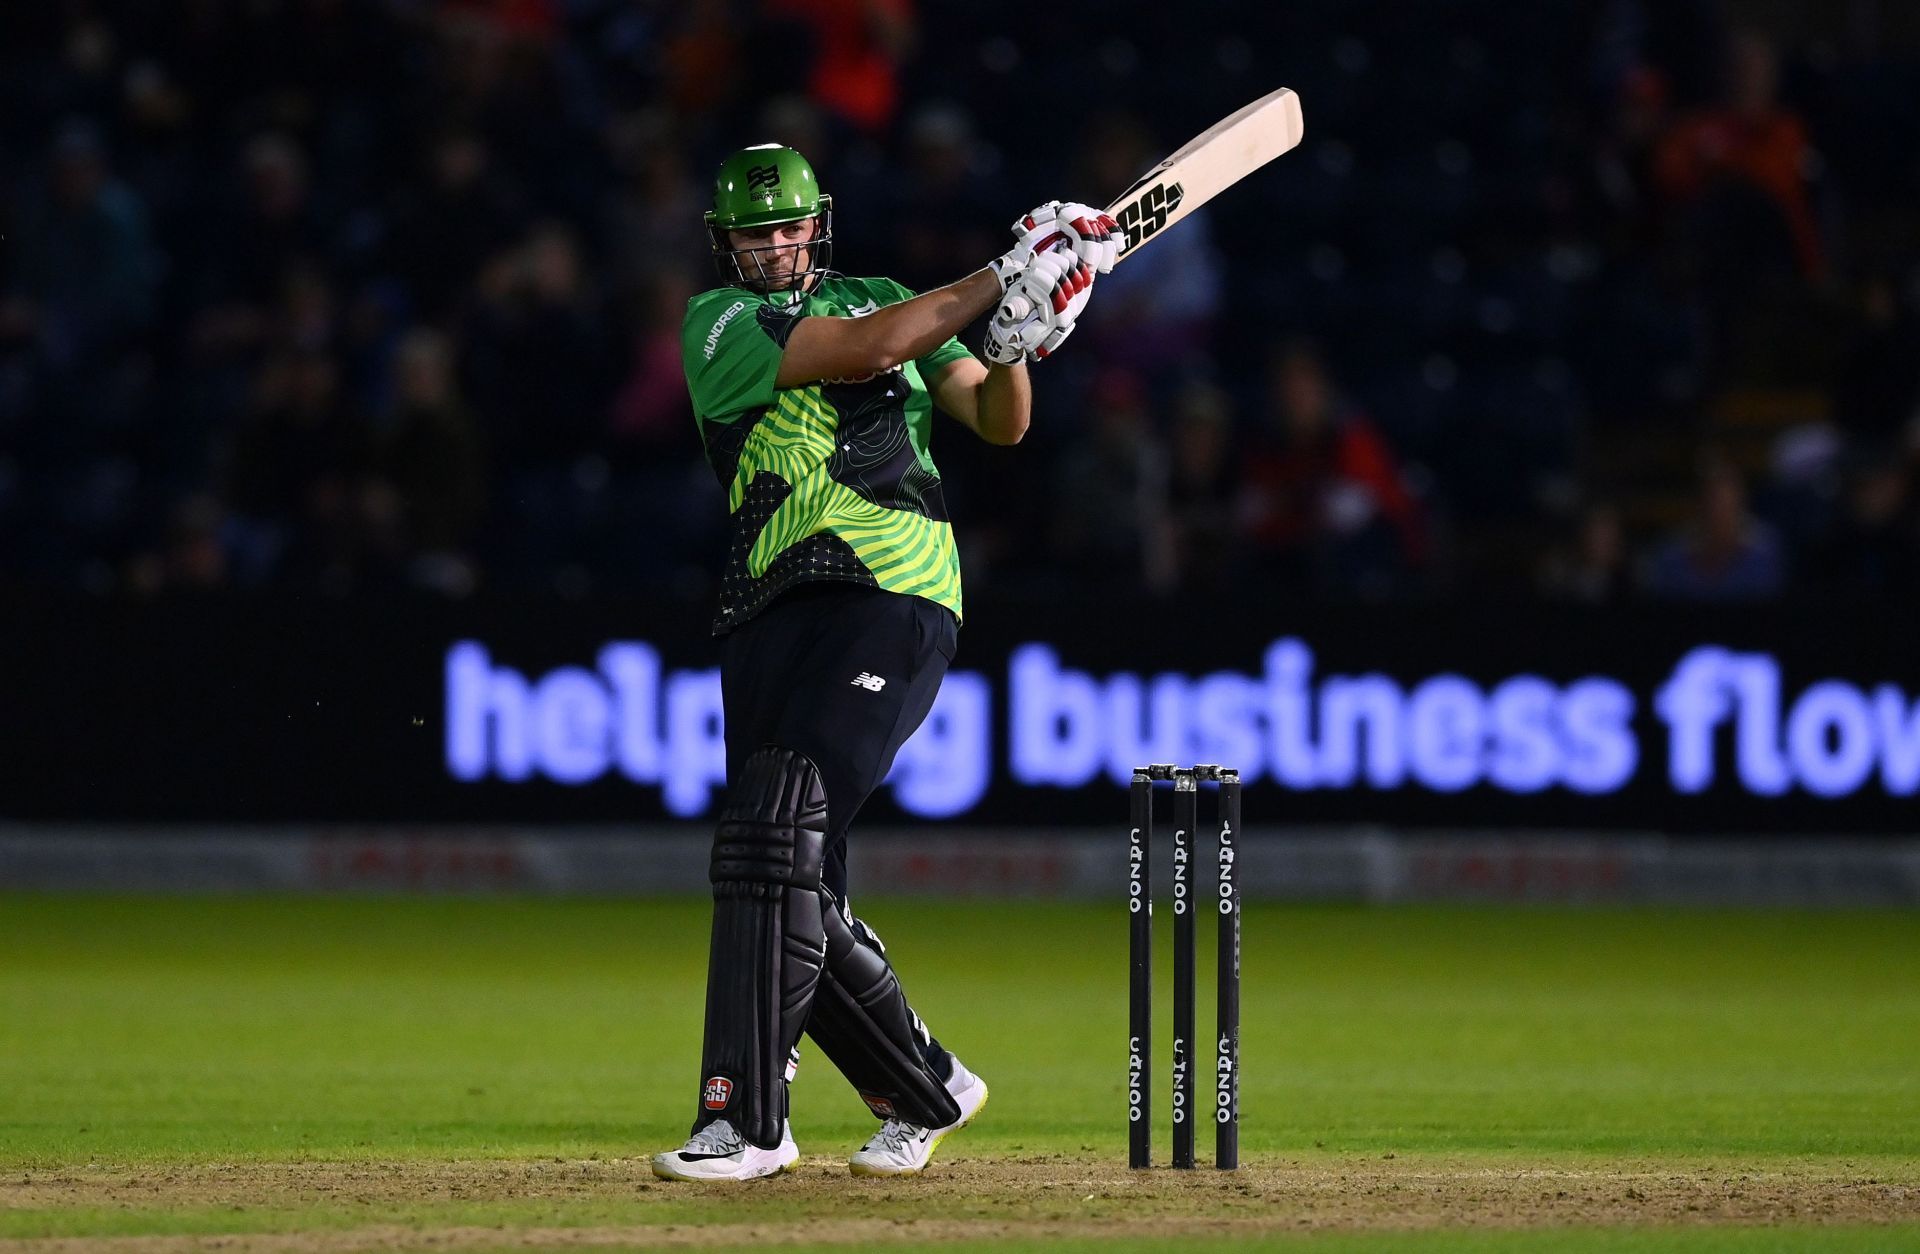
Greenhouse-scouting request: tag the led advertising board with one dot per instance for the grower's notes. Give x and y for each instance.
(1442, 718)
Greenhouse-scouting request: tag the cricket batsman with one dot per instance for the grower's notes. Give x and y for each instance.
(839, 609)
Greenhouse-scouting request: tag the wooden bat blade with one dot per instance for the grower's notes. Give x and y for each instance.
(1207, 165)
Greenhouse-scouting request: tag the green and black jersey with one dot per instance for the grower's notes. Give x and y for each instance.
(831, 480)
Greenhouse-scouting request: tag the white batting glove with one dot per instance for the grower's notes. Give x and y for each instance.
(1034, 234)
(1010, 344)
(1092, 233)
(1041, 308)
(1007, 344)
(1056, 285)
(1096, 238)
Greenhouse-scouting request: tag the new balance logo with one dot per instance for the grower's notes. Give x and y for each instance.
(869, 681)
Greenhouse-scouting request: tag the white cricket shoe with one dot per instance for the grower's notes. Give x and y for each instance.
(718, 1152)
(900, 1148)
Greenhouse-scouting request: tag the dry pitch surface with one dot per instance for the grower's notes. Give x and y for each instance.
(1044, 1198)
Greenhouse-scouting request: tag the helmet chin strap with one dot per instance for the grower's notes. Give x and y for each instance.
(798, 284)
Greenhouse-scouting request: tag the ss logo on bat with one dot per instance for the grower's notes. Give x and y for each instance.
(1143, 218)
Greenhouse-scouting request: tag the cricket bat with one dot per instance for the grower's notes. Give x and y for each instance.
(1199, 170)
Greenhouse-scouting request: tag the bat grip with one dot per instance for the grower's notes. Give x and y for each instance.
(1015, 309)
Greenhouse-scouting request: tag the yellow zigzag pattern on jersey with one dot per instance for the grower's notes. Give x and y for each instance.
(904, 551)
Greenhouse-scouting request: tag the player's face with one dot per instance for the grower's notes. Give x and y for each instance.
(777, 253)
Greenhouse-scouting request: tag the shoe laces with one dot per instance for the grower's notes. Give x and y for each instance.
(717, 1137)
(895, 1135)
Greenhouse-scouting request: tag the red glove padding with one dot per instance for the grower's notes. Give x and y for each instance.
(1097, 239)
(1042, 306)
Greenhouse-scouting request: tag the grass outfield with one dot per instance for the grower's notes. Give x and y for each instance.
(329, 1074)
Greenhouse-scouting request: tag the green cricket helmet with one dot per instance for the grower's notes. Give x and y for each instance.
(766, 185)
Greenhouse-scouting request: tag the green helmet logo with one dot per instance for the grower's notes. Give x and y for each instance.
(763, 186)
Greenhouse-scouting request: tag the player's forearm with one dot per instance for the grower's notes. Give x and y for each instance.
(1006, 403)
(913, 328)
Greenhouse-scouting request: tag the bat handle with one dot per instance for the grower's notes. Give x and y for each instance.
(1015, 309)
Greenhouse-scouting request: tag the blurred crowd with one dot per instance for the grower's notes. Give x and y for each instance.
(1601, 300)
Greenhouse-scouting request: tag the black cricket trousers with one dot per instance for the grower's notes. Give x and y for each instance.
(844, 674)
